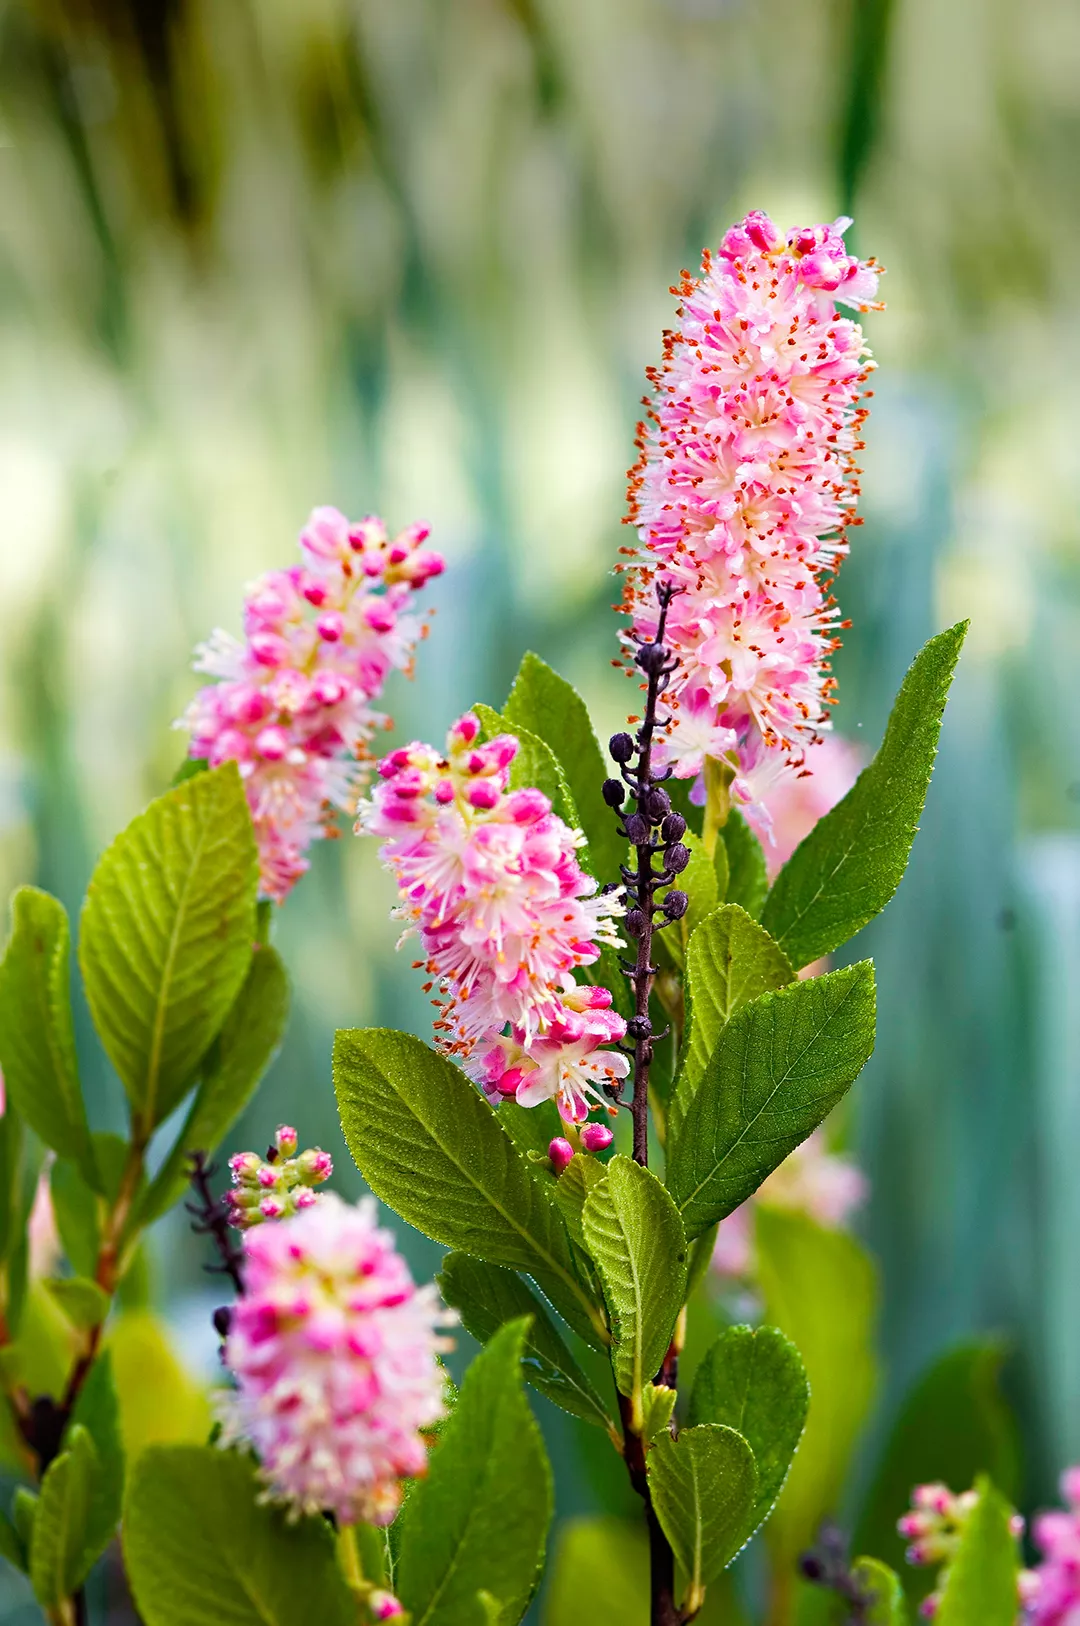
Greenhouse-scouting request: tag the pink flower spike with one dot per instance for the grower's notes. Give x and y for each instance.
(335, 1430)
(560, 1152)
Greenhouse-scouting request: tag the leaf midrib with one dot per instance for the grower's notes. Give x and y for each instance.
(157, 1040)
(748, 1123)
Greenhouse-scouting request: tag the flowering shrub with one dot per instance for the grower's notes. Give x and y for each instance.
(636, 1035)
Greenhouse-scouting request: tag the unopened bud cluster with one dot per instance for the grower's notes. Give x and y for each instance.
(934, 1528)
(277, 1185)
(589, 1138)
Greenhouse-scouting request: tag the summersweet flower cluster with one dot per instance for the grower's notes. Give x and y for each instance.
(1051, 1591)
(277, 1185)
(812, 1180)
(934, 1528)
(335, 1355)
(293, 707)
(489, 878)
(743, 492)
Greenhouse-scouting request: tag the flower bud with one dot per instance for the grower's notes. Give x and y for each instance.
(673, 828)
(560, 1152)
(614, 792)
(314, 1166)
(621, 747)
(596, 1137)
(676, 904)
(384, 1606)
(285, 1140)
(677, 858)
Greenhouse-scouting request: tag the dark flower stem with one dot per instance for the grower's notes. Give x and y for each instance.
(210, 1218)
(654, 831)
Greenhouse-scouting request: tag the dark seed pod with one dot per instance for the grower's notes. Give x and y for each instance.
(810, 1567)
(614, 792)
(677, 857)
(651, 658)
(635, 922)
(676, 904)
(637, 830)
(673, 828)
(659, 804)
(639, 1027)
(621, 747)
(222, 1319)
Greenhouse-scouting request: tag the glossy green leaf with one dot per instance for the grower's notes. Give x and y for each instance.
(11, 1547)
(753, 1380)
(166, 936)
(748, 878)
(636, 1239)
(237, 1061)
(199, 1547)
(820, 1288)
(11, 1185)
(533, 1128)
(479, 1520)
(488, 1296)
(781, 1065)
(24, 1507)
(97, 1409)
(980, 1581)
(730, 960)
(657, 1408)
(83, 1302)
(75, 1207)
(881, 1587)
(37, 1040)
(703, 1487)
(581, 1174)
(698, 881)
(60, 1551)
(535, 765)
(953, 1424)
(431, 1147)
(546, 704)
(853, 860)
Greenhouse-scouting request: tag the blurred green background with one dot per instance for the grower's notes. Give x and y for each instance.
(412, 256)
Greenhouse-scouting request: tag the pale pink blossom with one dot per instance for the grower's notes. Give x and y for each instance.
(334, 1352)
(490, 881)
(743, 493)
(1051, 1591)
(293, 704)
(795, 804)
(812, 1181)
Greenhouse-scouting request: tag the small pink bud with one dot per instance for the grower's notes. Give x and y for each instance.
(314, 1166)
(244, 1167)
(482, 795)
(271, 1208)
(268, 649)
(596, 1137)
(465, 729)
(272, 743)
(316, 594)
(384, 1606)
(304, 1197)
(560, 1152)
(330, 626)
(268, 1176)
(286, 1140)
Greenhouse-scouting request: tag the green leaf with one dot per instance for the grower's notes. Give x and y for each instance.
(703, 1486)
(781, 1065)
(24, 1507)
(535, 765)
(488, 1296)
(11, 1546)
(980, 1582)
(701, 1252)
(580, 1175)
(238, 1059)
(37, 1040)
(881, 1586)
(83, 1302)
(489, 1610)
(546, 704)
(952, 1425)
(431, 1147)
(657, 1407)
(97, 1409)
(636, 1239)
(11, 1184)
(199, 1547)
(753, 1380)
(820, 1288)
(166, 936)
(698, 881)
(533, 1128)
(599, 1574)
(60, 1555)
(730, 960)
(853, 860)
(748, 877)
(480, 1518)
(76, 1209)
